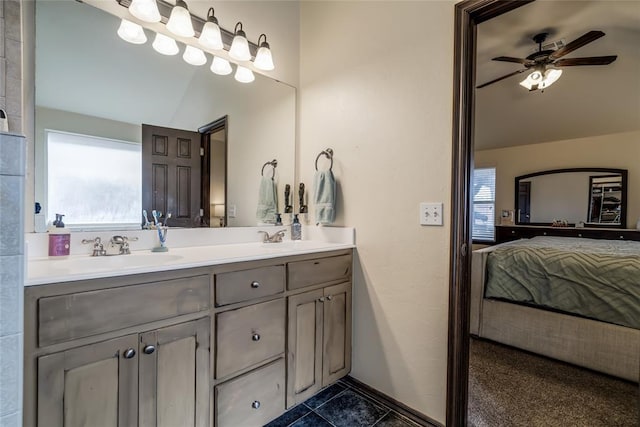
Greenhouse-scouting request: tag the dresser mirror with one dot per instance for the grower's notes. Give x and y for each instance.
(89, 82)
(595, 197)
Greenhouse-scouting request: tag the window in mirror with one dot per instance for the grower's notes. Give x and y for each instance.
(95, 182)
(484, 204)
(606, 199)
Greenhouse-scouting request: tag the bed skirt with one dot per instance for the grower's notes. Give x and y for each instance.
(604, 347)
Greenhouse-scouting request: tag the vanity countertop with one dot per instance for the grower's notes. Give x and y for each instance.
(44, 270)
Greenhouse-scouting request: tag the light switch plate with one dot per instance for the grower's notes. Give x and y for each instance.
(431, 214)
(232, 211)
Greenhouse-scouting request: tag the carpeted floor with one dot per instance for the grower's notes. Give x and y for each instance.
(508, 387)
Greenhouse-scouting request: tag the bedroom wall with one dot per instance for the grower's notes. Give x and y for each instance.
(374, 95)
(619, 150)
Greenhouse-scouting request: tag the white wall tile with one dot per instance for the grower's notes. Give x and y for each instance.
(12, 155)
(11, 215)
(10, 373)
(13, 51)
(11, 420)
(12, 19)
(11, 279)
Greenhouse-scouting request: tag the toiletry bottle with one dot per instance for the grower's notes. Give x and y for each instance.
(278, 219)
(296, 228)
(59, 238)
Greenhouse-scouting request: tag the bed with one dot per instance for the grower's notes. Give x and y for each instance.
(572, 299)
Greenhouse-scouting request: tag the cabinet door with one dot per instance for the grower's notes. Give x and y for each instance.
(336, 354)
(94, 385)
(174, 375)
(304, 364)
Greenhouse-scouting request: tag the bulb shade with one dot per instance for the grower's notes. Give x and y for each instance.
(132, 33)
(145, 10)
(180, 21)
(194, 56)
(538, 80)
(240, 48)
(210, 36)
(551, 76)
(244, 75)
(165, 45)
(263, 60)
(220, 66)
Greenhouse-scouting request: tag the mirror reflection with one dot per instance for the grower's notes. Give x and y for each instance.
(90, 83)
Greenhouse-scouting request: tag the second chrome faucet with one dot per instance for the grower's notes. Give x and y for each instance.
(274, 238)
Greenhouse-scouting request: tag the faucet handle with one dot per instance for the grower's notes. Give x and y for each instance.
(98, 247)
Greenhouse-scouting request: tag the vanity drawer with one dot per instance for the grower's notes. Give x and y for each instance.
(253, 399)
(317, 271)
(68, 317)
(249, 335)
(244, 285)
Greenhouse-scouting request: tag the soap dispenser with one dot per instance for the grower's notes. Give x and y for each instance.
(296, 228)
(59, 238)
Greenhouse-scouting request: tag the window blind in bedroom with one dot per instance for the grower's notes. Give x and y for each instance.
(484, 201)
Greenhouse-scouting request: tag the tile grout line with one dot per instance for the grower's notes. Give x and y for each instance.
(380, 419)
(330, 423)
(329, 400)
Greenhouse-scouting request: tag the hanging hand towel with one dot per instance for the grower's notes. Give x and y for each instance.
(267, 201)
(324, 185)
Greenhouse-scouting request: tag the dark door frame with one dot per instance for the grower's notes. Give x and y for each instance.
(468, 14)
(205, 181)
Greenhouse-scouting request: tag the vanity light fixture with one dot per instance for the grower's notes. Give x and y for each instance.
(263, 60)
(240, 46)
(131, 32)
(210, 36)
(145, 10)
(541, 79)
(194, 56)
(180, 20)
(165, 45)
(244, 75)
(220, 66)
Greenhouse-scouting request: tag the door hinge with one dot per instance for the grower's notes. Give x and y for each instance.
(202, 151)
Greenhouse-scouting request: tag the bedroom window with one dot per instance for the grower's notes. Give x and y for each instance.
(484, 204)
(95, 182)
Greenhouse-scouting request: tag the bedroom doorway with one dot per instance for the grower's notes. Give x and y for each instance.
(469, 14)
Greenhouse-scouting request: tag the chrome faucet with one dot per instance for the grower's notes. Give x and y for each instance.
(274, 238)
(98, 247)
(119, 245)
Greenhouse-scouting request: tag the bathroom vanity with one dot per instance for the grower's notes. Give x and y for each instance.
(226, 344)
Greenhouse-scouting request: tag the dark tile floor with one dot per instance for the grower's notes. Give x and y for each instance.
(339, 405)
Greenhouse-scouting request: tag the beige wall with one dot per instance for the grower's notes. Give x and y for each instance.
(619, 150)
(382, 99)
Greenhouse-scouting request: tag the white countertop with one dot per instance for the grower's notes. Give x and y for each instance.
(44, 270)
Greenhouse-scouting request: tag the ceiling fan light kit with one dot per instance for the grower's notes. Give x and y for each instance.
(545, 63)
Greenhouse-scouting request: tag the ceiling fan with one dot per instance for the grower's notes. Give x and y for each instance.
(544, 64)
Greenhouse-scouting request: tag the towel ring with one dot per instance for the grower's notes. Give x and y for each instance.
(274, 164)
(328, 153)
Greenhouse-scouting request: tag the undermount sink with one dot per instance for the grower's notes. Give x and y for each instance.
(290, 245)
(79, 264)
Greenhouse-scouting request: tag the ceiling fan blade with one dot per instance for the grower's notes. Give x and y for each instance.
(516, 60)
(594, 60)
(576, 44)
(501, 78)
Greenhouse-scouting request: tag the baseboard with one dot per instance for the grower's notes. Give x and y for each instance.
(399, 407)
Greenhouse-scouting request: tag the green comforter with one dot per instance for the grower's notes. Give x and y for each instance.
(599, 279)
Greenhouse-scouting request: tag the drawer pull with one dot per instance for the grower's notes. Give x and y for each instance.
(328, 297)
(255, 284)
(255, 337)
(129, 353)
(255, 404)
(321, 299)
(148, 349)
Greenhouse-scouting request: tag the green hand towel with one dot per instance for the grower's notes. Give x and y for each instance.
(267, 201)
(324, 185)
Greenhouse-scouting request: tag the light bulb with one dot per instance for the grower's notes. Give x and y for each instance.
(550, 77)
(145, 10)
(131, 32)
(244, 75)
(263, 60)
(180, 20)
(220, 66)
(194, 56)
(240, 46)
(210, 36)
(165, 45)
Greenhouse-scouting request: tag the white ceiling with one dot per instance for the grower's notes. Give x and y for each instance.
(585, 101)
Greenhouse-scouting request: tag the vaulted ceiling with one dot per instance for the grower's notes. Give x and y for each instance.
(585, 101)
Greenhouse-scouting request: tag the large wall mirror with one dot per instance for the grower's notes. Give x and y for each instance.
(89, 82)
(595, 197)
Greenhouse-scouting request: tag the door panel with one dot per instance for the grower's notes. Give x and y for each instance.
(336, 361)
(171, 173)
(91, 385)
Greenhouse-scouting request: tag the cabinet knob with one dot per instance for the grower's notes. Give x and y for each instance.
(149, 349)
(321, 299)
(255, 284)
(329, 297)
(255, 404)
(255, 337)
(129, 353)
